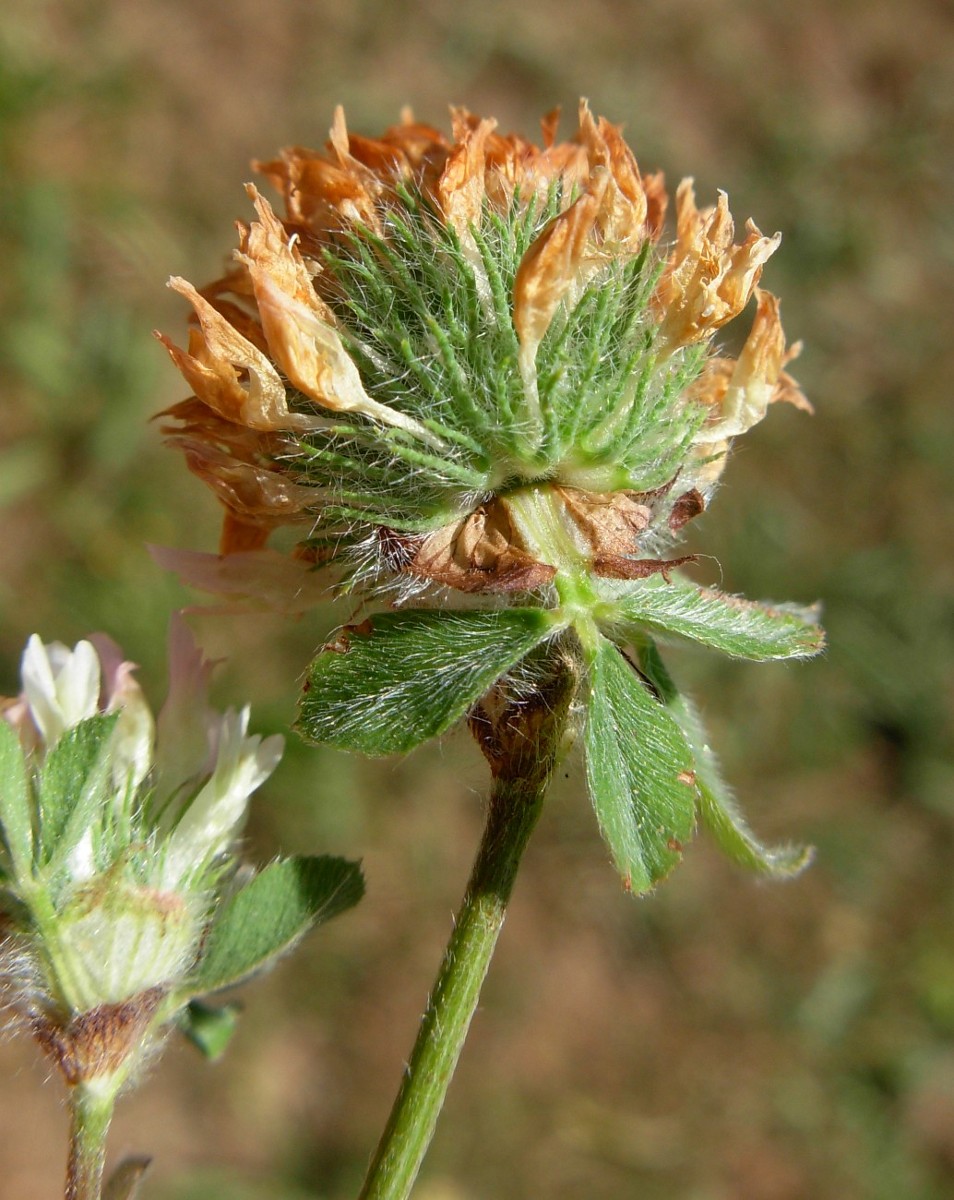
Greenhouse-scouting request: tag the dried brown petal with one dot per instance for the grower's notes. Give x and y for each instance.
(218, 356)
(611, 218)
(622, 216)
(708, 280)
(739, 393)
(657, 203)
(196, 419)
(461, 187)
(551, 269)
(253, 494)
(322, 195)
(300, 327)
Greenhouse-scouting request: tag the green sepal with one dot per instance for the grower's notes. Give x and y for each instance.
(718, 810)
(209, 1027)
(640, 771)
(15, 809)
(398, 679)
(743, 628)
(269, 914)
(73, 785)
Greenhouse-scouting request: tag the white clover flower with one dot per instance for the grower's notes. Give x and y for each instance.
(117, 850)
(215, 817)
(60, 686)
(121, 899)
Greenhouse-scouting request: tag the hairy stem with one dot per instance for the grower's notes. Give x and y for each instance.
(91, 1110)
(520, 735)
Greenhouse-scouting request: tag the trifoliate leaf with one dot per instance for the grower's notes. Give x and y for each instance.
(739, 627)
(15, 817)
(640, 771)
(718, 810)
(387, 685)
(268, 915)
(209, 1027)
(73, 784)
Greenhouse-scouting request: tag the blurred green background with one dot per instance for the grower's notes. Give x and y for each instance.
(723, 1039)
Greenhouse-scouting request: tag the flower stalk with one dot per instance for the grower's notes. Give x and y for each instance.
(521, 736)
(91, 1111)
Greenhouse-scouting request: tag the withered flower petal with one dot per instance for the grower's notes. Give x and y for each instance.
(552, 267)
(623, 209)
(739, 393)
(300, 328)
(218, 357)
(461, 188)
(707, 280)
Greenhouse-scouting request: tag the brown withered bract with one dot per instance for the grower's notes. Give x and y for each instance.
(481, 553)
(96, 1042)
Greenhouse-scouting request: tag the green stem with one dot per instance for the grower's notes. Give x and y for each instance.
(522, 741)
(91, 1110)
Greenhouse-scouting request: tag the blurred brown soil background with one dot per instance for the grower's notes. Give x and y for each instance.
(723, 1040)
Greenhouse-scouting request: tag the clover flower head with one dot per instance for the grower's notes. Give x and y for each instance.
(473, 371)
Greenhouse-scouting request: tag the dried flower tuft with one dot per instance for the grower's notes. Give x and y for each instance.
(435, 322)
(472, 370)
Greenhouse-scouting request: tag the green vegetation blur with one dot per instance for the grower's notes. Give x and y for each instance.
(723, 1039)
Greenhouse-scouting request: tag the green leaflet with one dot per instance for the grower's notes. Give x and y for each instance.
(209, 1027)
(268, 915)
(640, 771)
(387, 685)
(739, 627)
(15, 809)
(73, 785)
(718, 810)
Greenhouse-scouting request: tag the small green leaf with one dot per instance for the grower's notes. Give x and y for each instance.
(401, 678)
(718, 810)
(739, 627)
(15, 809)
(73, 784)
(268, 915)
(125, 1181)
(640, 771)
(209, 1027)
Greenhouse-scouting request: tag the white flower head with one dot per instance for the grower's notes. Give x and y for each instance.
(115, 858)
